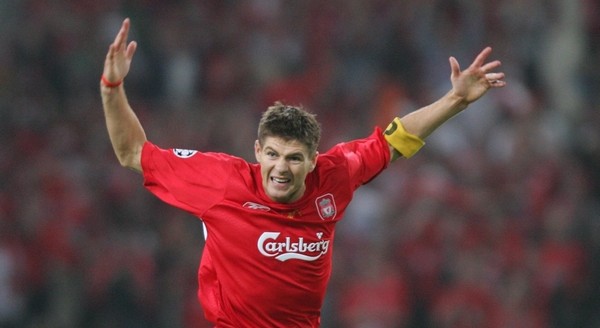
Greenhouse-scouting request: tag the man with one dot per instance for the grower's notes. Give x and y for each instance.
(269, 226)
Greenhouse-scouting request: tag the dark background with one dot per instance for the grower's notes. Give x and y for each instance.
(495, 223)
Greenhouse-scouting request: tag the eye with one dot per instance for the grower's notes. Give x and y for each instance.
(271, 154)
(295, 159)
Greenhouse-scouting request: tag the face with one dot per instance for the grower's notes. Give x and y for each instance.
(284, 166)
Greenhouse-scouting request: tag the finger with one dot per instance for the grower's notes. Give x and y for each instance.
(495, 79)
(497, 83)
(494, 76)
(480, 59)
(454, 67)
(491, 66)
(131, 49)
(121, 37)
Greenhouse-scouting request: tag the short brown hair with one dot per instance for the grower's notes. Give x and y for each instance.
(290, 123)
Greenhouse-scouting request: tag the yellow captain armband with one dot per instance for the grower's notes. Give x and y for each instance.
(405, 143)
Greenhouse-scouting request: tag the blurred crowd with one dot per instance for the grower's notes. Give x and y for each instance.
(495, 223)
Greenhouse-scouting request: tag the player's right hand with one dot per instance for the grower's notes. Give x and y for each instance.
(120, 53)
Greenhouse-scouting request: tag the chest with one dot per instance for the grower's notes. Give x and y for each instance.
(255, 229)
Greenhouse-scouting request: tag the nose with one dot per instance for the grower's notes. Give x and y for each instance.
(281, 165)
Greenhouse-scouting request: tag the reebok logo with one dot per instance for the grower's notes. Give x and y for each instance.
(256, 206)
(270, 245)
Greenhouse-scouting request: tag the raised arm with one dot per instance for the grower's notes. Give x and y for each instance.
(467, 86)
(124, 129)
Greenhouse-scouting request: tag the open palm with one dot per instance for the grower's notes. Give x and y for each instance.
(473, 82)
(119, 56)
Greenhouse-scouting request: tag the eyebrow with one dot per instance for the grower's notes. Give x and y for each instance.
(293, 154)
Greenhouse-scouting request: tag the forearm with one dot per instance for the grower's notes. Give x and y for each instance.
(405, 135)
(425, 120)
(124, 129)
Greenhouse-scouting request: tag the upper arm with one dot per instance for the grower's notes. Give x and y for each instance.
(132, 159)
(400, 142)
(365, 158)
(188, 179)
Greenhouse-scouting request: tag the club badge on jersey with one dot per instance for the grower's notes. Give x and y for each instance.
(326, 207)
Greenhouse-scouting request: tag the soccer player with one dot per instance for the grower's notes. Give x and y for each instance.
(269, 226)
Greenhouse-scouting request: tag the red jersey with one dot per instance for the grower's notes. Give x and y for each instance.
(264, 264)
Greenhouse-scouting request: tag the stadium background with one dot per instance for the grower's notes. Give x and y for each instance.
(494, 224)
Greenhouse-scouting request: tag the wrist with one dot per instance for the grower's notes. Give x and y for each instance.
(457, 102)
(105, 82)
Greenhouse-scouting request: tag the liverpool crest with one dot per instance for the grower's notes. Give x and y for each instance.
(326, 207)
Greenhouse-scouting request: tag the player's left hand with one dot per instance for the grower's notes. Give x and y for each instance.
(477, 79)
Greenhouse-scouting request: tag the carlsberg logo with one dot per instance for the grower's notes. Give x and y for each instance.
(288, 249)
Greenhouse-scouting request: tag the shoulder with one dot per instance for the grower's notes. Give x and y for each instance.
(153, 150)
(359, 159)
(372, 147)
(190, 160)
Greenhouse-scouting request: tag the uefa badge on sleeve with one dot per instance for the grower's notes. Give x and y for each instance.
(326, 207)
(184, 153)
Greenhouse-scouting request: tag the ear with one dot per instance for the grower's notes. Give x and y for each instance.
(257, 150)
(314, 161)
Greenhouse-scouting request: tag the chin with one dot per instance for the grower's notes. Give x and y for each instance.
(280, 197)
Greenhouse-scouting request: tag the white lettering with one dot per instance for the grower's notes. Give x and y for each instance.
(269, 246)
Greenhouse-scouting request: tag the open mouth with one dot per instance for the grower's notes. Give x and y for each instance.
(280, 180)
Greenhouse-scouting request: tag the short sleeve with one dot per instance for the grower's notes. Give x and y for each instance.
(187, 179)
(365, 158)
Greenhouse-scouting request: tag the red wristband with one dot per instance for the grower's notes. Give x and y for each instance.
(109, 84)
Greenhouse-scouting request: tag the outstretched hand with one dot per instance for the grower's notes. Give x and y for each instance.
(477, 79)
(120, 53)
